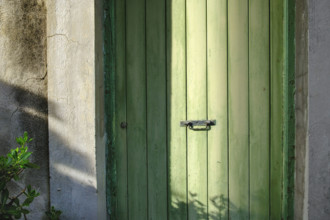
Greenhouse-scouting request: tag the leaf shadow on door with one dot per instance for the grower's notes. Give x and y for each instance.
(221, 207)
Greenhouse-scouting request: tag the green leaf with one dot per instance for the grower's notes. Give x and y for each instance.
(18, 215)
(12, 210)
(2, 185)
(25, 136)
(25, 211)
(15, 156)
(10, 155)
(28, 201)
(20, 141)
(9, 160)
(16, 201)
(16, 177)
(31, 165)
(33, 193)
(26, 155)
(53, 213)
(4, 196)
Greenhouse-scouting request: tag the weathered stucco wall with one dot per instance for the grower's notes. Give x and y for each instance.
(319, 109)
(23, 89)
(75, 93)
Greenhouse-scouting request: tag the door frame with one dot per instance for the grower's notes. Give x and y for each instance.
(284, 27)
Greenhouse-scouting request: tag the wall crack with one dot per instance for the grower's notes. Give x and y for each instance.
(65, 36)
(37, 78)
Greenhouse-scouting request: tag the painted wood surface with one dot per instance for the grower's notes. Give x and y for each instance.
(217, 109)
(137, 109)
(120, 111)
(176, 109)
(196, 108)
(259, 110)
(109, 96)
(156, 109)
(194, 60)
(277, 55)
(238, 72)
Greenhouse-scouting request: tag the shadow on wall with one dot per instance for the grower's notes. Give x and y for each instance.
(22, 110)
(71, 182)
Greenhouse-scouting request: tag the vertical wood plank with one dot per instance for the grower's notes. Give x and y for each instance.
(136, 106)
(120, 111)
(176, 104)
(277, 72)
(238, 109)
(217, 109)
(196, 108)
(156, 109)
(259, 108)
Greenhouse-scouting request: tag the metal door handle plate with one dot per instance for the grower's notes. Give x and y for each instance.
(192, 124)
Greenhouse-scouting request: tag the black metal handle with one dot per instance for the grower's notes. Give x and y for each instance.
(192, 124)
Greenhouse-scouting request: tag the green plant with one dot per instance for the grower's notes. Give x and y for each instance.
(11, 166)
(53, 214)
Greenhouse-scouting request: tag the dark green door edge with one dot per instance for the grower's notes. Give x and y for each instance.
(109, 82)
(289, 114)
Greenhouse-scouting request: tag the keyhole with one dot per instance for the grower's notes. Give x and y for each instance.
(123, 124)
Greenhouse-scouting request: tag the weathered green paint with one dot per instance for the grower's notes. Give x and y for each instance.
(183, 59)
(176, 109)
(121, 208)
(238, 97)
(137, 167)
(196, 108)
(285, 114)
(109, 79)
(277, 62)
(156, 109)
(290, 120)
(217, 109)
(259, 111)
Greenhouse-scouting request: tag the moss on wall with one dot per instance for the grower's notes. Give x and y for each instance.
(23, 22)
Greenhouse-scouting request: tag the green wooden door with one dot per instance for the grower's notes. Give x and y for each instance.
(179, 60)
